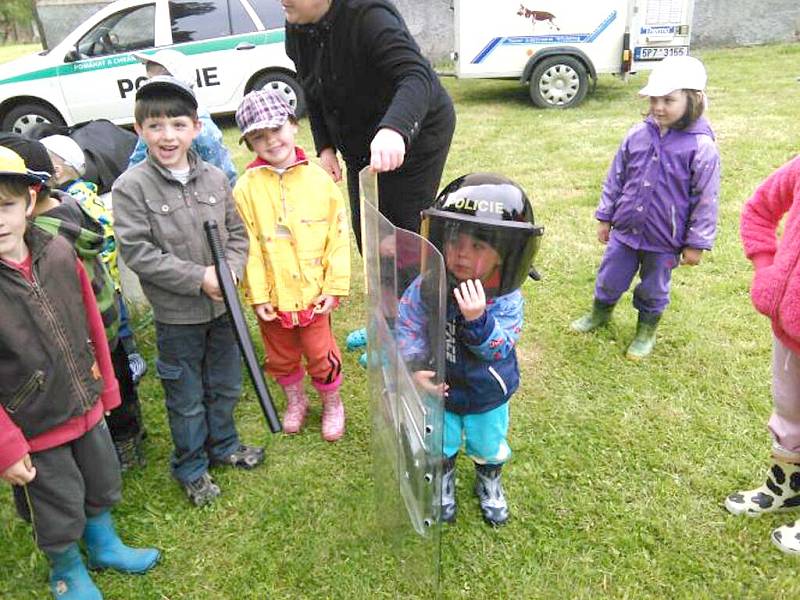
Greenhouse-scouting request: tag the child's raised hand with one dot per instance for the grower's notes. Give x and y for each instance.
(471, 299)
(424, 380)
(21, 472)
(603, 231)
(324, 304)
(691, 256)
(210, 285)
(265, 312)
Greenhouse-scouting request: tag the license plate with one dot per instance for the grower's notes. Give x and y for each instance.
(650, 53)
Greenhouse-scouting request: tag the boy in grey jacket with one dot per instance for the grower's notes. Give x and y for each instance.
(160, 206)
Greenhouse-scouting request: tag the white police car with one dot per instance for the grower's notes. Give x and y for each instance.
(234, 46)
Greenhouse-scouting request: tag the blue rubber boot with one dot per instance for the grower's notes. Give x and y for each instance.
(106, 550)
(356, 339)
(69, 579)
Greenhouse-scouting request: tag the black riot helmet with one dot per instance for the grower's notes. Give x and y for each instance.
(494, 210)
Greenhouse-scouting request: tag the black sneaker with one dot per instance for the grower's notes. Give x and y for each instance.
(245, 457)
(202, 490)
(130, 453)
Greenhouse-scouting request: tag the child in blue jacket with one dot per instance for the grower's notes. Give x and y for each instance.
(483, 225)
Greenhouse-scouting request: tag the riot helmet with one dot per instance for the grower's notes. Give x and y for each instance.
(481, 210)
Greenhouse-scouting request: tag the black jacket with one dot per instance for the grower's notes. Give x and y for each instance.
(48, 372)
(362, 71)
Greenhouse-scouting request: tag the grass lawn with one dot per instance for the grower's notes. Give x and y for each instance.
(12, 51)
(619, 469)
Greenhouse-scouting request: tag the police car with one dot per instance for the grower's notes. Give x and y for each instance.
(234, 46)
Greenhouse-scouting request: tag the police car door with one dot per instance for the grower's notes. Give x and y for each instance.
(101, 81)
(221, 40)
(659, 28)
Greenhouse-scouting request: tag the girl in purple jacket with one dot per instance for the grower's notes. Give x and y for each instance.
(658, 208)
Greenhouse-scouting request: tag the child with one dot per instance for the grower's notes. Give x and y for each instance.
(659, 202)
(125, 423)
(299, 263)
(58, 213)
(775, 291)
(208, 143)
(55, 449)
(159, 210)
(483, 225)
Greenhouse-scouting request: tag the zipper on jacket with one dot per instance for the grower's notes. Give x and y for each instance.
(34, 381)
(63, 343)
(499, 379)
(674, 226)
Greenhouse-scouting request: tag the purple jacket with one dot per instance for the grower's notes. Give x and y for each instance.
(661, 192)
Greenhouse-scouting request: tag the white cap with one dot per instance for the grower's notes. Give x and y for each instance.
(67, 150)
(176, 63)
(675, 73)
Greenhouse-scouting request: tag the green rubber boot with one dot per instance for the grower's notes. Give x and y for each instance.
(645, 339)
(600, 315)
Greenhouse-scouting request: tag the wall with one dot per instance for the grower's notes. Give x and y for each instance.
(431, 24)
(716, 22)
(744, 22)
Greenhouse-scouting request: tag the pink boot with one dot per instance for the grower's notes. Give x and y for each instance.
(332, 415)
(296, 407)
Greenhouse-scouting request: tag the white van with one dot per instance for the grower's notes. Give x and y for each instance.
(557, 46)
(235, 46)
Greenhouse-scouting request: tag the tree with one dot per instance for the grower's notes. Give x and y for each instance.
(15, 15)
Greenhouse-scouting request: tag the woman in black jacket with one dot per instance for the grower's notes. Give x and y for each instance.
(373, 97)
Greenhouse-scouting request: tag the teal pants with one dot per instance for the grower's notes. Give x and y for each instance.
(483, 435)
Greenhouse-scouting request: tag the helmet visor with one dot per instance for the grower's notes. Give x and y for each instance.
(499, 255)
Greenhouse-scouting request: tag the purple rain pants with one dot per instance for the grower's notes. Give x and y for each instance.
(619, 265)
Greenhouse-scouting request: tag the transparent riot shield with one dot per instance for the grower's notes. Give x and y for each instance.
(407, 418)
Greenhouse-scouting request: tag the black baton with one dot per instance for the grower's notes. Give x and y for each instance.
(234, 307)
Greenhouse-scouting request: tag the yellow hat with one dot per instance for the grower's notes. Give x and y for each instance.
(12, 165)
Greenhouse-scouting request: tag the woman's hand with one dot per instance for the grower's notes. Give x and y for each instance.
(329, 162)
(387, 151)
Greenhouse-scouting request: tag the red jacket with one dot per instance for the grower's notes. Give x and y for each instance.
(14, 446)
(776, 284)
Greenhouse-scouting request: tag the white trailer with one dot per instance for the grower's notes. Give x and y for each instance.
(557, 46)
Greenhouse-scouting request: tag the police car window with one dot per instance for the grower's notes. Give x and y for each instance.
(240, 20)
(270, 12)
(193, 20)
(123, 31)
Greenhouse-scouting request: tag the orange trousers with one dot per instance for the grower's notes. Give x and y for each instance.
(285, 349)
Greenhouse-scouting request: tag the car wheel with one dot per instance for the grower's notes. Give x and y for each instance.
(558, 82)
(286, 85)
(23, 117)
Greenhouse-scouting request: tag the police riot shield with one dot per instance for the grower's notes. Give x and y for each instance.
(405, 303)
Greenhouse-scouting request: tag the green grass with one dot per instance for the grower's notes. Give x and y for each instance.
(619, 469)
(12, 51)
